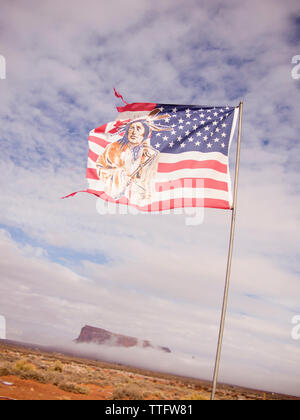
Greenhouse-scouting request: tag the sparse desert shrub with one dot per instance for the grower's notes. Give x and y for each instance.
(196, 396)
(57, 367)
(74, 388)
(5, 371)
(105, 382)
(33, 375)
(159, 395)
(54, 378)
(23, 365)
(131, 392)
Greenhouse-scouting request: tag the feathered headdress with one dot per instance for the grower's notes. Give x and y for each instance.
(151, 120)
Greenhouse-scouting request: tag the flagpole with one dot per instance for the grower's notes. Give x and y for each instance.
(228, 270)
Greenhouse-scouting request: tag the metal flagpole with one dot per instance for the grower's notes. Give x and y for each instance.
(226, 290)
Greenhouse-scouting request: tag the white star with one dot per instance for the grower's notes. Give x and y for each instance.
(188, 123)
(180, 121)
(215, 123)
(174, 110)
(158, 134)
(206, 128)
(165, 138)
(180, 127)
(157, 145)
(182, 145)
(191, 139)
(201, 115)
(171, 144)
(167, 120)
(187, 133)
(173, 132)
(223, 145)
(209, 145)
(205, 138)
(217, 130)
(224, 125)
(208, 118)
(179, 138)
(161, 109)
(202, 122)
(215, 114)
(223, 135)
(198, 134)
(197, 143)
(195, 127)
(217, 139)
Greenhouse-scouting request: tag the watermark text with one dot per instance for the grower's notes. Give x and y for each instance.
(2, 67)
(296, 329)
(296, 69)
(185, 196)
(2, 327)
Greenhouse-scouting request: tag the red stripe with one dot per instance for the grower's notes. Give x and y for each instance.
(192, 164)
(93, 156)
(101, 142)
(91, 173)
(101, 129)
(167, 204)
(191, 183)
(183, 164)
(137, 107)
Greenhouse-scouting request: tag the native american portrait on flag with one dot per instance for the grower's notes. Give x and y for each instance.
(128, 166)
(157, 157)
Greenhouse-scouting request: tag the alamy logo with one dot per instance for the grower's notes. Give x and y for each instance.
(296, 330)
(180, 192)
(296, 70)
(2, 327)
(2, 67)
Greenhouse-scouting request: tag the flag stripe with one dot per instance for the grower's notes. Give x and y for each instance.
(177, 183)
(167, 205)
(183, 173)
(169, 157)
(182, 164)
(136, 107)
(192, 164)
(185, 192)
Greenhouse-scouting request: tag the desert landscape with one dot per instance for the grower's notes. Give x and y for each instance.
(28, 373)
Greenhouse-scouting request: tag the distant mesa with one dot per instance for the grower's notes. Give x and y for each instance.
(100, 336)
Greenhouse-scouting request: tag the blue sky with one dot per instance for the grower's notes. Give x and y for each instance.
(63, 265)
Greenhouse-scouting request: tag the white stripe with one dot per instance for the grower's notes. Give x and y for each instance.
(132, 115)
(175, 193)
(182, 173)
(236, 112)
(192, 173)
(176, 157)
(199, 156)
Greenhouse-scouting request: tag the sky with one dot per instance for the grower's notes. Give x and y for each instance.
(64, 265)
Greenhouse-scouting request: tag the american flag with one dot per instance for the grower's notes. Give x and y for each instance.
(193, 151)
